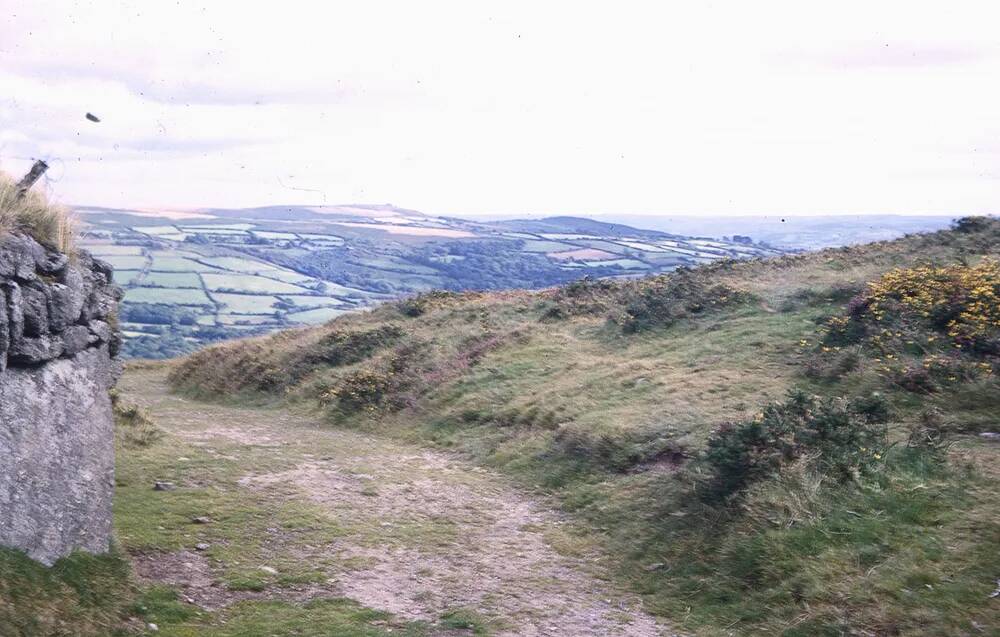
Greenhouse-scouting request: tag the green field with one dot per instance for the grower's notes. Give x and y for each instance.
(316, 316)
(167, 295)
(275, 235)
(165, 263)
(322, 237)
(359, 261)
(545, 246)
(126, 262)
(248, 319)
(288, 276)
(102, 250)
(569, 237)
(309, 301)
(219, 226)
(123, 277)
(628, 264)
(172, 279)
(238, 264)
(245, 303)
(605, 245)
(157, 230)
(248, 283)
(213, 230)
(640, 245)
(396, 265)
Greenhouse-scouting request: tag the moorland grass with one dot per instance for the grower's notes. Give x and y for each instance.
(34, 215)
(606, 393)
(82, 594)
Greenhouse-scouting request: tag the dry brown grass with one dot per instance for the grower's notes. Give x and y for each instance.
(49, 224)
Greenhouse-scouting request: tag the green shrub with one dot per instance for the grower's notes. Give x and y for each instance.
(342, 347)
(840, 331)
(840, 438)
(971, 225)
(363, 390)
(930, 434)
(371, 389)
(419, 304)
(810, 297)
(586, 296)
(662, 300)
(832, 368)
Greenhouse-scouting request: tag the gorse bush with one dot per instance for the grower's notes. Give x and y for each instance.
(33, 215)
(269, 366)
(343, 347)
(924, 327)
(961, 301)
(381, 385)
(843, 439)
(586, 296)
(420, 304)
(364, 390)
(641, 304)
(659, 301)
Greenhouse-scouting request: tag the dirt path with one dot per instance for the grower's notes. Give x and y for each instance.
(420, 533)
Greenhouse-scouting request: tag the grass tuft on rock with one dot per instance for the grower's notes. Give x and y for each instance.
(34, 215)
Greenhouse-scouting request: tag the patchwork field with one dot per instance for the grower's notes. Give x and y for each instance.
(247, 283)
(198, 277)
(317, 316)
(169, 296)
(172, 280)
(245, 303)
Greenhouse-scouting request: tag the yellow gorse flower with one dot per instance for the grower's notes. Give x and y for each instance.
(970, 294)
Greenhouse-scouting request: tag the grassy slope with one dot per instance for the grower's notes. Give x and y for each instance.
(81, 595)
(543, 386)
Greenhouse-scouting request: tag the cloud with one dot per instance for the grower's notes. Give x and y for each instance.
(904, 56)
(462, 108)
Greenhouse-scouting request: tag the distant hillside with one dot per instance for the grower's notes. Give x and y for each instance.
(194, 277)
(581, 225)
(787, 446)
(784, 231)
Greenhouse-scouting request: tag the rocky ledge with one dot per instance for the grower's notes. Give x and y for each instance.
(58, 348)
(51, 305)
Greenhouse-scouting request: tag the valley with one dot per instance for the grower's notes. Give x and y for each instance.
(193, 278)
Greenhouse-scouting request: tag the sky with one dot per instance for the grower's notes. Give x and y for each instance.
(483, 108)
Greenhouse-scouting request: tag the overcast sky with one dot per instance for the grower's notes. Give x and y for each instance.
(509, 107)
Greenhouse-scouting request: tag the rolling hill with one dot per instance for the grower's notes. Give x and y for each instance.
(194, 277)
